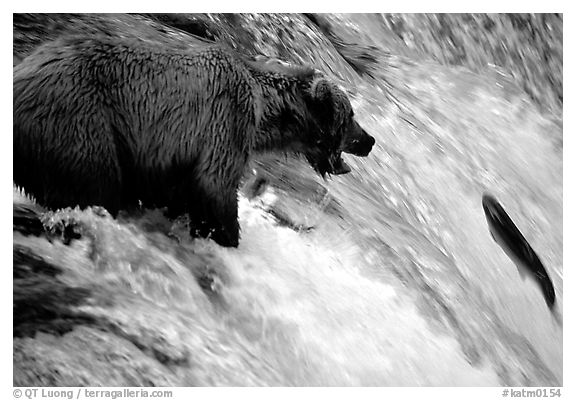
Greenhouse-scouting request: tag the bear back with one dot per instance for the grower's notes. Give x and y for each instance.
(103, 115)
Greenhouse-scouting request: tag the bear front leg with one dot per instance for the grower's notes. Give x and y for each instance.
(226, 227)
(215, 216)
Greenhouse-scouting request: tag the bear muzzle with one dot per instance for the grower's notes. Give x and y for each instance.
(359, 143)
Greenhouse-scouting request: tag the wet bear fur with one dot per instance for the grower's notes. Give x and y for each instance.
(117, 123)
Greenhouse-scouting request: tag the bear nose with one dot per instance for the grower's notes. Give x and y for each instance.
(361, 146)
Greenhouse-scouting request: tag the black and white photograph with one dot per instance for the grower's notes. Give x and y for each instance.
(287, 200)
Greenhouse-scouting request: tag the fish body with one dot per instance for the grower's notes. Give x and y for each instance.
(510, 239)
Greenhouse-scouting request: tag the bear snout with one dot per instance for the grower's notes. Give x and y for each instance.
(360, 143)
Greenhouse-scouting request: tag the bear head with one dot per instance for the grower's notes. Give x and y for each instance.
(314, 116)
(335, 129)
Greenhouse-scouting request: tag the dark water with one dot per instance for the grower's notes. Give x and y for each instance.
(404, 286)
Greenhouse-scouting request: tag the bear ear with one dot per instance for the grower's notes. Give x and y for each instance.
(321, 89)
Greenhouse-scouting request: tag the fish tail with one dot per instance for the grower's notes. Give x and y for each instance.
(548, 291)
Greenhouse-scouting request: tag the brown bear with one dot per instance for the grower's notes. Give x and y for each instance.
(117, 123)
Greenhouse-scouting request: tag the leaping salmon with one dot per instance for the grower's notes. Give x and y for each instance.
(508, 236)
